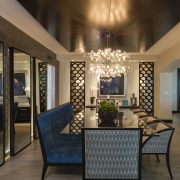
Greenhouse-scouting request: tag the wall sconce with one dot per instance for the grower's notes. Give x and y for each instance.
(92, 95)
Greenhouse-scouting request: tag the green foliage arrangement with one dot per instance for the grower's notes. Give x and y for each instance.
(107, 111)
(108, 106)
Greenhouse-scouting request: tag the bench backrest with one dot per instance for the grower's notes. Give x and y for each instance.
(51, 123)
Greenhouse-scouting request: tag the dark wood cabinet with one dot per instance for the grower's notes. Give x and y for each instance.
(23, 114)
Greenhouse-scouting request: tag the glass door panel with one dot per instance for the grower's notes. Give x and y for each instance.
(1, 108)
(21, 131)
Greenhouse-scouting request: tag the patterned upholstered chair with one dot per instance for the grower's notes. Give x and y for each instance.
(147, 120)
(136, 110)
(159, 144)
(112, 153)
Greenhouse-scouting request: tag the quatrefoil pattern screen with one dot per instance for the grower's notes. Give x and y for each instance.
(77, 95)
(146, 86)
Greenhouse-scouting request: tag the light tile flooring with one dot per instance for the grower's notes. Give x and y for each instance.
(28, 164)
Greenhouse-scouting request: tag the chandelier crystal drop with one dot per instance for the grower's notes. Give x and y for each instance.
(109, 63)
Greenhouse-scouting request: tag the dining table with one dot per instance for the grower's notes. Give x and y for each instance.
(125, 119)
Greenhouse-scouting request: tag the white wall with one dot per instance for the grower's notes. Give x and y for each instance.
(91, 82)
(166, 95)
(131, 86)
(167, 62)
(133, 82)
(50, 86)
(174, 90)
(64, 82)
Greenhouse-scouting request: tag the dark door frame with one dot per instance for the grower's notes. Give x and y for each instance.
(178, 89)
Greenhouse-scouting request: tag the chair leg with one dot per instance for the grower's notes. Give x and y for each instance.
(44, 171)
(168, 165)
(157, 157)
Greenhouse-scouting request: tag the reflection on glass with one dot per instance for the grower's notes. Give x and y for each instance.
(22, 105)
(1, 107)
(19, 84)
(37, 93)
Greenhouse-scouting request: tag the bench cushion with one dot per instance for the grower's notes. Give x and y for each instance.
(67, 149)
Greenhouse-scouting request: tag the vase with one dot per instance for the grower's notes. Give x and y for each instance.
(92, 100)
(107, 116)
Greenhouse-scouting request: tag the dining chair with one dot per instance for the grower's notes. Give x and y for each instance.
(147, 120)
(159, 143)
(112, 153)
(136, 110)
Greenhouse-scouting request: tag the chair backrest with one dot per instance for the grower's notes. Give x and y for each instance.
(160, 143)
(112, 153)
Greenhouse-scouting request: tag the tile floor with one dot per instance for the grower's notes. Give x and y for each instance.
(28, 164)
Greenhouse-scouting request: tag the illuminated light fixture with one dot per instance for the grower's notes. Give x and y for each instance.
(107, 62)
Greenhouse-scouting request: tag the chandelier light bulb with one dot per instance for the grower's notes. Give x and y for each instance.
(108, 62)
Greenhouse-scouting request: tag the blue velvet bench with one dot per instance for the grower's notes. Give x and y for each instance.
(58, 148)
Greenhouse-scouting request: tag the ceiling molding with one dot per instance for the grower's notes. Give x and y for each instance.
(13, 12)
(166, 42)
(81, 57)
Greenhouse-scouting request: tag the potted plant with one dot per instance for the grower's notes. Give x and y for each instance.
(107, 111)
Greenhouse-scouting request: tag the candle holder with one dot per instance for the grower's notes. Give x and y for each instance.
(133, 100)
(92, 100)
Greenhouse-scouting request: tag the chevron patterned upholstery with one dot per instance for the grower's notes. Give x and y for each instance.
(160, 143)
(112, 153)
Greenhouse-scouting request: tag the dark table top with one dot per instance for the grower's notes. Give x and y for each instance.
(120, 106)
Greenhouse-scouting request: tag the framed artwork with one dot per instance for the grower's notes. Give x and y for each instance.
(19, 83)
(114, 86)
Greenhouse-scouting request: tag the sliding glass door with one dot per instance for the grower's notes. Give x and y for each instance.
(21, 118)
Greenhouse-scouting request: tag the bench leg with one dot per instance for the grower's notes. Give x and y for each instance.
(44, 171)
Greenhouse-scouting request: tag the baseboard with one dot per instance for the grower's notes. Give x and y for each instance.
(175, 111)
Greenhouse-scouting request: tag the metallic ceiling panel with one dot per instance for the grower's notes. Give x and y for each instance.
(79, 25)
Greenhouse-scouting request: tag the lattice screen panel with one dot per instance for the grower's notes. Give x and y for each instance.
(77, 95)
(146, 86)
(43, 86)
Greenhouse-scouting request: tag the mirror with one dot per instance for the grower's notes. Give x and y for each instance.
(1, 107)
(39, 74)
(45, 88)
(41, 86)
(22, 101)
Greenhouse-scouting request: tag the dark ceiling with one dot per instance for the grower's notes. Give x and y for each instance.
(80, 24)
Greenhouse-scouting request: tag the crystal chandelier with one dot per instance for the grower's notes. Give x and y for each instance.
(108, 62)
